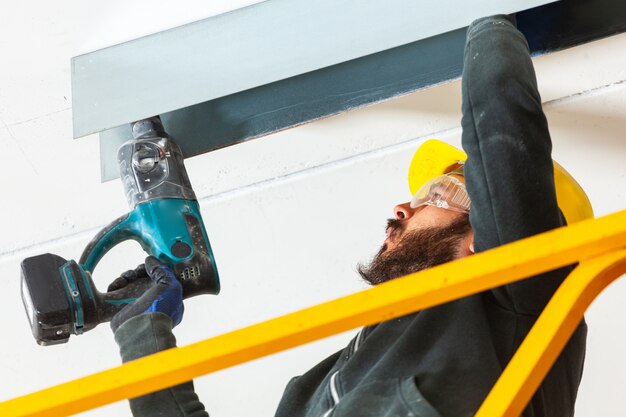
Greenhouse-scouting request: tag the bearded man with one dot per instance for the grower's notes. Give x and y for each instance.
(439, 362)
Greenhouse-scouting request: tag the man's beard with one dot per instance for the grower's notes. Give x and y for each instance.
(415, 251)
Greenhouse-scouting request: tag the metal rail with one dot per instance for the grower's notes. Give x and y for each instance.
(548, 337)
(598, 244)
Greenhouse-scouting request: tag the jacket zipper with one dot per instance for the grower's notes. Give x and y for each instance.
(332, 384)
(334, 393)
(357, 341)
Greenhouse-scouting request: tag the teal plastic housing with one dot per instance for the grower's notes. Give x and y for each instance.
(158, 225)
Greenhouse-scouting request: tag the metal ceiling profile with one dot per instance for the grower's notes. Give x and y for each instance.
(233, 77)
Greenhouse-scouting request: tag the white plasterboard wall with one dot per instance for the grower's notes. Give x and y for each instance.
(288, 215)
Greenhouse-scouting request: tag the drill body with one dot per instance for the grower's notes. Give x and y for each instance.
(59, 295)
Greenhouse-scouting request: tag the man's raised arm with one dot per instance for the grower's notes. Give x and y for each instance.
(145, 327)
(509, 173)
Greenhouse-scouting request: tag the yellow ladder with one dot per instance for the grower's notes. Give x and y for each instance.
(599, 245)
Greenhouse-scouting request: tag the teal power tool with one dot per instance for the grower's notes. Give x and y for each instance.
(60, 296)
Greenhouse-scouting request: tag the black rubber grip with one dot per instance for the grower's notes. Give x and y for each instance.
(99, 236)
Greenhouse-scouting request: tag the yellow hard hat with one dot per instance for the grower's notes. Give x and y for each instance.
(434, 158)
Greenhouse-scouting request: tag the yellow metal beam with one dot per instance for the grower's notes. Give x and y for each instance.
(405, 295)
(548, 337)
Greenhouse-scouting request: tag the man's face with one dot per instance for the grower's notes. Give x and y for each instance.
(419, 238)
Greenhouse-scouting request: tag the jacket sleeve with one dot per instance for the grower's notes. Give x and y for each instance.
(144, 335)
(509, 172)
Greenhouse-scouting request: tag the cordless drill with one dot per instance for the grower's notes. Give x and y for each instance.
(60, 296)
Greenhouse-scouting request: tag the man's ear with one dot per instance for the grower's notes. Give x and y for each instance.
(466, 245)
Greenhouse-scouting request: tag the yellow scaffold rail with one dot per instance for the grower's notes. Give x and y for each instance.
(580, 242)
(548, 337)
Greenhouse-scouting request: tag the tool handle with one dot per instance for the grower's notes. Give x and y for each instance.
(115, 232)
(110, 303)
(172, 231)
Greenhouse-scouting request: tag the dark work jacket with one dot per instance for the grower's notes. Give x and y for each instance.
(442, 362)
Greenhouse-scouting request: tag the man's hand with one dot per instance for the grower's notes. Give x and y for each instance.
(164, 296)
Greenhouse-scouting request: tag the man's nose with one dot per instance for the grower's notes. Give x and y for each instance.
(403, 211)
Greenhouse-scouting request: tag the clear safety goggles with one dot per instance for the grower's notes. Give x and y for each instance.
(445, 192)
